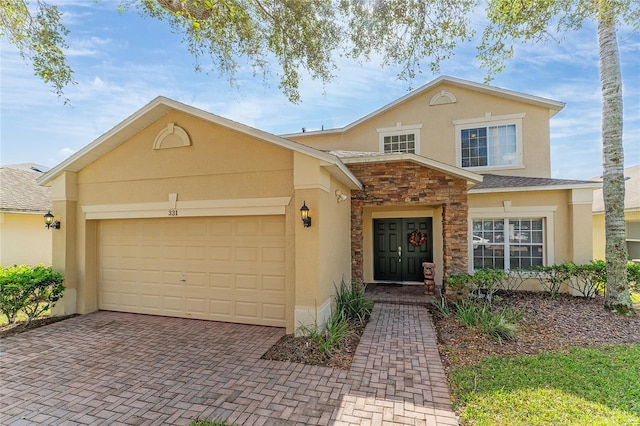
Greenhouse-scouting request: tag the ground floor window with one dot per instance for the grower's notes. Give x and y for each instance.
(507, 243)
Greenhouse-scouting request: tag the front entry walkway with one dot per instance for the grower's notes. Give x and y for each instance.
(126, 369)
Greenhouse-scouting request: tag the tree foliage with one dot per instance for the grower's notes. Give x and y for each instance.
(285, 37)
(39, 35)
(538, 21)
(534, 21)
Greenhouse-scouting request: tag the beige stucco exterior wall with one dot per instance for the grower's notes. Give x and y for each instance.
(599, 242)
(220, 164)
(323, 250)
(24, 240)
(437, 133)
(567, 221)
(598, 236)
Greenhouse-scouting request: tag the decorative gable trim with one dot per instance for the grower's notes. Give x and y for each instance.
(171, 136)
(442, 98)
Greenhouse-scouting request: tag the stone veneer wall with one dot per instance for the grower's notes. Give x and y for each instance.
(404, 183)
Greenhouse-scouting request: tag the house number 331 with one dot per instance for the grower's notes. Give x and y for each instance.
(173, 212)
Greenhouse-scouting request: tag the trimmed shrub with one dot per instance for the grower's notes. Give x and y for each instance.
(31, 291)
(457, 287)
(484, 283)
(586, 279)
(551, 278)
(633, 276)
(514, 278)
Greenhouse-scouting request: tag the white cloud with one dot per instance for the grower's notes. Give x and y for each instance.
(97, 82)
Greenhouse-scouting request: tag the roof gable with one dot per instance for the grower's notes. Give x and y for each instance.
(160, 107)
(553, 106)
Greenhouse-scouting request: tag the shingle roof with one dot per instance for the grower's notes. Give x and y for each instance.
(19, 191)
(631, 191)
(491, 182)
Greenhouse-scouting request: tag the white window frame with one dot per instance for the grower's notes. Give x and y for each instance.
(507, 211)
(490, 121)
(400, 129)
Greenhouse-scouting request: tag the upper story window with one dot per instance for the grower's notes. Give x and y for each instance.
(400, 138)
(489, 146)
(489, 142)
(405, 142)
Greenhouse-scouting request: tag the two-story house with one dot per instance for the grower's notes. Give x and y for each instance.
(179, 212)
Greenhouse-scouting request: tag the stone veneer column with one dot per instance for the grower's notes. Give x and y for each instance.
(357, 242)
(455, 238)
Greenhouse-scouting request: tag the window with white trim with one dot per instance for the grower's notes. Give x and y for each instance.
(508, 243)
(401, 138)
(405, 142)
(489, 146)
(489, 142)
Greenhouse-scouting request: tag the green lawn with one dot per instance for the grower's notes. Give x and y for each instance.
(583, 387)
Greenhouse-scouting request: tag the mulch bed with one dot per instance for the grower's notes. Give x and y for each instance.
(547, 326)
(304, 350)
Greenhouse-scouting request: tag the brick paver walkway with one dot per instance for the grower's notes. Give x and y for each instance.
(126, 369)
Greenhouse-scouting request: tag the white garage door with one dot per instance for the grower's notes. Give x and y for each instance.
(220, 268)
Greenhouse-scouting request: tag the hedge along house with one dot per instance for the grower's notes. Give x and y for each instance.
(179, 212)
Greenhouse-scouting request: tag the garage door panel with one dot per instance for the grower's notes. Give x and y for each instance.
(220, 228)
(273, 283)
(220, 253)
(196, 306)
(172, 304)
(247, 310)
(246, 282)
(221, 307)
(225, 269)
(273, 312)
(150, 301)
(246, 254)
(222, 281)
(196, 279)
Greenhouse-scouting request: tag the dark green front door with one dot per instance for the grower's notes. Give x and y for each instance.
(395, 259)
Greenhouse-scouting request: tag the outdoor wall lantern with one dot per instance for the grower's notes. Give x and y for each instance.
(304, 213)
(49, 221)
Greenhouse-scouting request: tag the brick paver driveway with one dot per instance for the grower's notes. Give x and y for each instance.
(115, 368)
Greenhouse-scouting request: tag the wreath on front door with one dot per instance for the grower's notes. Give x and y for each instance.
(417, 238)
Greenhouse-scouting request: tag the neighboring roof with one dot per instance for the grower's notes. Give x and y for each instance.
(631, 191)
(498, 183)
(29, 166)
(161, 106)
(353, 157)
(20, 192)
(553, 106)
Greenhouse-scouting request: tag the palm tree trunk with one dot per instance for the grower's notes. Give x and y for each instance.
(617, 294)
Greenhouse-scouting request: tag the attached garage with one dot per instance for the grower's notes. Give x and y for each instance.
(214, 268)
(179, 212)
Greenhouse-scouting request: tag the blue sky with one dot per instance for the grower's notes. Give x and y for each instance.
(122, 61)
